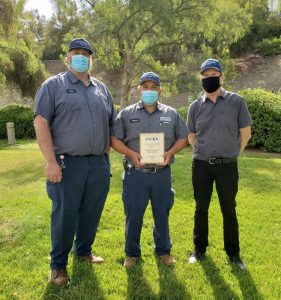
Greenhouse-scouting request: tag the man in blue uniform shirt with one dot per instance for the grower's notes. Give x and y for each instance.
(142, 182)
(220, 128)
(73, 118)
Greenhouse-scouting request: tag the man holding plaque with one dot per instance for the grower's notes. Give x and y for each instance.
(148, 133)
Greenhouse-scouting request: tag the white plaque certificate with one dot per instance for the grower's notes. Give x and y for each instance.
(152, 148)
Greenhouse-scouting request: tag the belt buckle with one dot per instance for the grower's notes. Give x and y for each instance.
(152, 172)
(212, 161)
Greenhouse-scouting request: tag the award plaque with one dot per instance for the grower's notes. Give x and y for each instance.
(152, 148)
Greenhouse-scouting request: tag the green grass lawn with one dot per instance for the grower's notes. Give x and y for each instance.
(25, 237)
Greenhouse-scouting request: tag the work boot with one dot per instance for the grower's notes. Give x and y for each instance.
(130, 262)
(92, 258)
(59, 277)
(167, 259)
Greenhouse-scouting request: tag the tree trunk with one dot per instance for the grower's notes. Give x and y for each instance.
(125, 81)
(124, 96)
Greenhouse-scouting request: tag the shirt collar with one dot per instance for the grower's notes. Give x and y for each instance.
(92, 81)
(159, 106)
(222, 95)
(74, 79)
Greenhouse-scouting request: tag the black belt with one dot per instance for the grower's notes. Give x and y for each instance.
(150, 170)
(220, 161)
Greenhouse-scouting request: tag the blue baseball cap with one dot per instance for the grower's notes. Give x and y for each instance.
(150, 76)
(80, 44)
(210, 63)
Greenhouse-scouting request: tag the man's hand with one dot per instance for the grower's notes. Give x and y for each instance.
(135, 157)
(53, 172)
(167, 157)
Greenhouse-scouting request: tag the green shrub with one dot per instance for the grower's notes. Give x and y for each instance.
(183, 112)
(117, 108)
(265, 109)
(22, 117)
(270, 47)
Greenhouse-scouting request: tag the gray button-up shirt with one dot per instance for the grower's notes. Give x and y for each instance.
(217, 125)
(80, 117)
(135, 119)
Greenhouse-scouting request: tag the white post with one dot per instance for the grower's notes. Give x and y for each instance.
(11, 133)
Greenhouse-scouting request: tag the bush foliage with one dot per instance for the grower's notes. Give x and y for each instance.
(270, 47)
(265, 109)
(183, 112)
(264, 106)
(22, 117)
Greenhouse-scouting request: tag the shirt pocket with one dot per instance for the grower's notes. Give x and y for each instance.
(168, 129)
(134, 130)
(73, 102)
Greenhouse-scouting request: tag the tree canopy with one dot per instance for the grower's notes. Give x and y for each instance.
(170, 37)
(20, 53)
(136, 36)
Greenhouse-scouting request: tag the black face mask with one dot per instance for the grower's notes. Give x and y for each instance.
(211, 84)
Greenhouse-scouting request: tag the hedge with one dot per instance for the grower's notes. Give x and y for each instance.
(183, 112)
(270, 47)
(264, 106)
(22, 117)
(265, 109)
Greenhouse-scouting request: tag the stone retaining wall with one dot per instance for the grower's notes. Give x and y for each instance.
(254, 71)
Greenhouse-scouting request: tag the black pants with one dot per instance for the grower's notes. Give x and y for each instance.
(225, 177)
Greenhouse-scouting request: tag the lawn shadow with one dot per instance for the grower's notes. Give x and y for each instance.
(247, 284)
(170, 287)
(221, 289)
(137, 287)
(84, 284)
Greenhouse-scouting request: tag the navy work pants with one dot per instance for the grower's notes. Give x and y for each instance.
(138, 188)
(77, 204)
(225, 177)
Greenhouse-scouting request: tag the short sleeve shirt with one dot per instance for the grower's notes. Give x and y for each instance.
(217, 125)
(80, 117)
(135, 119)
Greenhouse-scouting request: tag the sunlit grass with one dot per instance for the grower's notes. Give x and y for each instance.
(25, 237)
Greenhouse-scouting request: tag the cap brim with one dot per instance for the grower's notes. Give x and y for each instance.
(149, 79)
(210, 68)
(90, 51)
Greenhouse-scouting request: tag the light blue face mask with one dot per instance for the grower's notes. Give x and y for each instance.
(149, 97)
(80, 63)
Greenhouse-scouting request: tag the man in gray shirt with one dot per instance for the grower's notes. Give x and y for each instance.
(143, 182)
(73, 117)
(219, 124)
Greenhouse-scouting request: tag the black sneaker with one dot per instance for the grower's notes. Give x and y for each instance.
(238, 262)
(195, 257)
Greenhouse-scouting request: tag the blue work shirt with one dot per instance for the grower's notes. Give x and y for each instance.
(135, 119)
(80, 117)
(217, 125)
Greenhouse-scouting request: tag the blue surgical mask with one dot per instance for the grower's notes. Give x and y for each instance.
(80, 63)
(149, 97)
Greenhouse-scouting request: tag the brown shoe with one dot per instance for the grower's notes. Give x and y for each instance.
(130, 262)
(93, 259)
(167, 259)
(59, 277)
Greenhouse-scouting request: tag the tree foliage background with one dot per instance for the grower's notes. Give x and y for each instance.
(170, 37)
(20, 49)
